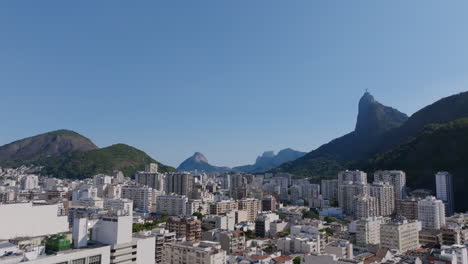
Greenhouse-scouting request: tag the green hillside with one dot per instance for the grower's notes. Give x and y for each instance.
(439, 147)
(88, 163)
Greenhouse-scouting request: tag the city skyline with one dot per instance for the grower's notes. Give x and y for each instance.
(230, 80)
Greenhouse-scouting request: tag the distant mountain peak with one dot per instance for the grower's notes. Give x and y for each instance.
(199, 162)
(366, 98)
(199, 157)
(375, 118)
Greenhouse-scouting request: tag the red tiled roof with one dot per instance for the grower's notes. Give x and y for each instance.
(258, 257)
(282, 259)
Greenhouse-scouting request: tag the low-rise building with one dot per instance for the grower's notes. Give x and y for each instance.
(400, 234)
(204, 252)
(187, 227)
(231, 241)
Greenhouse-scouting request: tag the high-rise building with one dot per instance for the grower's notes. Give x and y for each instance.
(173, 205)
(154, 180)
(346, 194)
(394, 177)
(400, 234)
(431, 213)
(365, 206)
(384, 196)
(142, 197)
(444, 190)
(268, 203)
(179, 183)
(252, 206)
(329, 189)
(358, 177)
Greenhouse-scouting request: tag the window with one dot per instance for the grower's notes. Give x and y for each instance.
(94, 259)
(79, 261)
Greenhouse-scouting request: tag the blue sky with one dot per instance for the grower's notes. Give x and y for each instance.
(228, 78)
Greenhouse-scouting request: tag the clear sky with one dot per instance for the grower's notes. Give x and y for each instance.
(230, 79)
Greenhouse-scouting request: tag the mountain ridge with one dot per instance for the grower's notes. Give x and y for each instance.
(269, 160)
(67, 154)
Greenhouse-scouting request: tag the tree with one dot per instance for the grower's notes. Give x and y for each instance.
(249, 234)
(198, 215)
(284, 233)
(297, 260)
(312, 214)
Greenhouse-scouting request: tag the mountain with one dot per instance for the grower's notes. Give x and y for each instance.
(268, 160)
(200, 163)
(438, 147)
(83, 164)
(67, 154)
(49, 144)
(443, 111)
(433, 139)
(374, 119)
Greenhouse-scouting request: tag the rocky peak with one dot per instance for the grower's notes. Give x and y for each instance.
(199, 157)
(375, 118)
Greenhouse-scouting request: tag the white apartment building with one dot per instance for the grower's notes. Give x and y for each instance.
(28, 220)
(396, 178)
(141, 196)
(197, 205)
(368, 231)
(459, 251)
(346, 194)
(115, 231)
(162, 236)
(298, 245)
(231, 241)
(340, 248)
(101, 179)
(91, 255)
(400, 234)
(173, 205)
(29, 182)
(431, 213)
(385, 197)
(357, 177)
(226, 222)
(365, 206)
(329, 189)
(121, 206)
(204, 252)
